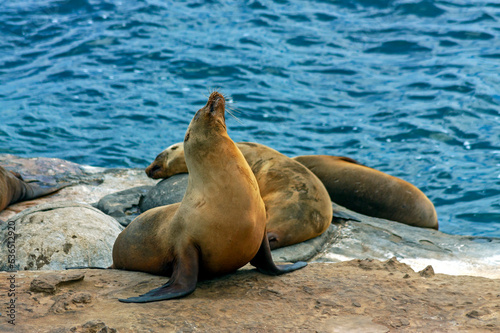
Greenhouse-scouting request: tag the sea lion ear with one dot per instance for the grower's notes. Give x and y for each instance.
(16, 174)
(348, 159)
(160, 156)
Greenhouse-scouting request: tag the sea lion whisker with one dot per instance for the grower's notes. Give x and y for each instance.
(233, 109)
(232, 115)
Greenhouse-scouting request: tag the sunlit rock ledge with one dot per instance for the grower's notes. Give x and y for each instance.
(351, 235)
(356, 236)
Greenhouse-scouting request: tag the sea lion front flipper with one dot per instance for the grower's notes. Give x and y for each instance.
(181, 283)
(263, 260)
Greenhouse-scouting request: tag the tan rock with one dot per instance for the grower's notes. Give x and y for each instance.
(323, 297)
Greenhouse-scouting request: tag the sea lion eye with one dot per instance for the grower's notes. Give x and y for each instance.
(186, 137)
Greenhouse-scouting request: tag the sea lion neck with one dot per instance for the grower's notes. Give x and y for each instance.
(207, 150)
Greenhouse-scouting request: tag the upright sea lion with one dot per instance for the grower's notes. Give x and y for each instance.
(219, 226)
(14, 189)
(371, 192)
(297, 203)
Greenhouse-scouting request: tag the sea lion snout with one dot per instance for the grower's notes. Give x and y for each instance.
(152, 171)
(213, 110)
(215, 97)
(216, 102)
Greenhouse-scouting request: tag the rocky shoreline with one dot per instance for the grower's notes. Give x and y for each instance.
(338, 289)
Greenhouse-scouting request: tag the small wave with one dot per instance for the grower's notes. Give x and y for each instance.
(398, 47)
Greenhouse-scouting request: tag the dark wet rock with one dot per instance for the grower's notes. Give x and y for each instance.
(123, 205)
(166, 192)
(58, 235)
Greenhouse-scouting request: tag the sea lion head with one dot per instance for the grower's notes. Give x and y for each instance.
(168, 163)
(209, 121)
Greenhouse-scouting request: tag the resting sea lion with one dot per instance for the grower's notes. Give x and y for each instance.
(297, 203)
(371, 192)
(219, 226)
(14, 189)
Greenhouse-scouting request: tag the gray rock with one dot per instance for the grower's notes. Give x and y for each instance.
(58, 235)
(418, 247)
(306, 250)
(166, 192)
(123, 205)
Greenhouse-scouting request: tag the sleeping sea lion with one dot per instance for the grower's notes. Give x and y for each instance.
(371, 192)
(14, 189)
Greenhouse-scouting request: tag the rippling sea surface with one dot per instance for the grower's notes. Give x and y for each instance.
(411, 88)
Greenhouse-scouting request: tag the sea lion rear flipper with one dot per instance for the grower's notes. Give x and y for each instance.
(36, 190)
(181, 283)
(263, 260)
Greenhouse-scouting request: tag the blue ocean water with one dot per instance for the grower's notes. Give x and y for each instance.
(411, 88)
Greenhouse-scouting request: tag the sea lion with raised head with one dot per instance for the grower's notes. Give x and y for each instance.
(371, 192)
(297, 203)
(219, 226)
(14, 189)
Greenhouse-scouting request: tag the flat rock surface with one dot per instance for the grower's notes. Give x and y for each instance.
(352, 296)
